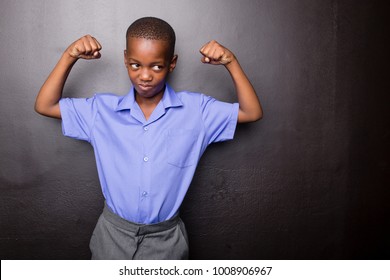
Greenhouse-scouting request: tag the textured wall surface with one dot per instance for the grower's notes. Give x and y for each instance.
(309, 181)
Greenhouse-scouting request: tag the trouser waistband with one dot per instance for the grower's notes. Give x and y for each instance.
(138, 229)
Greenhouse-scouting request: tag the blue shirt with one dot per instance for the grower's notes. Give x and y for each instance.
(146, 166)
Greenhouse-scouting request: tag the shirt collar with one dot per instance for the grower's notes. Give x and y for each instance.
(170, 99)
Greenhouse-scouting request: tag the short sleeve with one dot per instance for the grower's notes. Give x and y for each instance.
(77, 116)
(219, 118)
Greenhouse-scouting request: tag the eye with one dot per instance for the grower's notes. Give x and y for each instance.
(134, 66)
(157, 67)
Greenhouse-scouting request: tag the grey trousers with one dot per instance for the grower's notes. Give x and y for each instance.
(115, 238)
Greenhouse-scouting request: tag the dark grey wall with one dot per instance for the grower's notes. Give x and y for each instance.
(310, 181)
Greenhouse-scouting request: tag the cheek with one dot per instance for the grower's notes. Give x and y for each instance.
(161, 76)
(131, 74)
(160, 81)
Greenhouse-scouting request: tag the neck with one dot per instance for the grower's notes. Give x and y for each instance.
(148, 101)
(148, 104)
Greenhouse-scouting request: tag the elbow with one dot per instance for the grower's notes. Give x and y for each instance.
(39, 109)
(255, 118)
(47, 106)
(258, 116)
(46, 111)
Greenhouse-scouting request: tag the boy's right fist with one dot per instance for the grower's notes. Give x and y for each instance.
(87, 47)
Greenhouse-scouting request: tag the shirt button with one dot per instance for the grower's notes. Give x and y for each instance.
(146, 128)
(146, 159)
(144, 193)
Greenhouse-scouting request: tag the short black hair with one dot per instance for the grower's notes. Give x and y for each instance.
(153, 28)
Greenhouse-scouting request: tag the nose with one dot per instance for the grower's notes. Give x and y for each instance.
(145, 75)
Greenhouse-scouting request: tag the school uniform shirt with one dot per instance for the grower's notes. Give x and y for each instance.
(146, 166)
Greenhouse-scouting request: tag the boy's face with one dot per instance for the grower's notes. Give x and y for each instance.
(148, 64)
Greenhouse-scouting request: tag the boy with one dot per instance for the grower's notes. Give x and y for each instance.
(147, 143)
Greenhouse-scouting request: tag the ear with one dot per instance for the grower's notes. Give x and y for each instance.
(125, 57)
(173, 62)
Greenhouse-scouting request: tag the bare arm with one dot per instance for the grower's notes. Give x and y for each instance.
(47, 101)
(250, 107)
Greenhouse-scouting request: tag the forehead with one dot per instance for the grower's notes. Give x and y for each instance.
(147, 48)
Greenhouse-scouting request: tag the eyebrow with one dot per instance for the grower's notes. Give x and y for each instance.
(153, 63)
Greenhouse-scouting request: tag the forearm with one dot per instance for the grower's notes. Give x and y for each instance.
(250, 107)
(47, 101)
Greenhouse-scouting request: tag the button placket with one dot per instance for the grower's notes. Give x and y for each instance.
(144, 188)
(146, 158)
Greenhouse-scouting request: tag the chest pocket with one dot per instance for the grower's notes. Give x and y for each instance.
(181, 147)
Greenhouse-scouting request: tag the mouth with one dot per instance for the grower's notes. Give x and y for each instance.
(145, 87)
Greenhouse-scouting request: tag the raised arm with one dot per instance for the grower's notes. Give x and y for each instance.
(47, 101)
(250, 107)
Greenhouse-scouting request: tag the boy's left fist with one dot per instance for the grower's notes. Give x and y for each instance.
(216, 54)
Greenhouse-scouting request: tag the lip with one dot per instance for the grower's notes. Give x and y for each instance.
(144, 86)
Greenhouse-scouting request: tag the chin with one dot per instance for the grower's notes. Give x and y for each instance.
(148, 92)
(145, 93)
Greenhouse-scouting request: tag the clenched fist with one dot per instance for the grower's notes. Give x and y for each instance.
(216, 54)
(87, 47)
